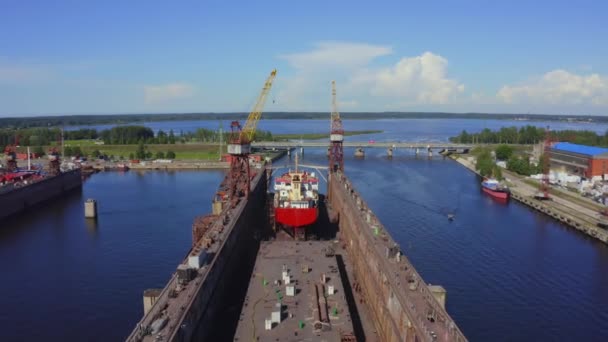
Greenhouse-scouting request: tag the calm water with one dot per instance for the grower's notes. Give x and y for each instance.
(65, 279)
(511, 274)
(424, 130)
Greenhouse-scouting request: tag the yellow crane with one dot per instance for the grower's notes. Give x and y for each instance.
(242, 137)
(239, 145)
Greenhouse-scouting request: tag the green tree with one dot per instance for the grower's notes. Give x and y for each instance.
(77, 151)
(140, 153)
(148, 155)
(68, 151)
(504, 152)
(160, 155)
(497, 172)
(131, 156)
(170, 155)
(95, 154)
(39, 151)
(171, 137)
(162, 137)
(485, 163)
(520, 165)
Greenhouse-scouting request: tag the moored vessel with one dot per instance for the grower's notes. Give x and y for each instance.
(493, 188)
(296, 201)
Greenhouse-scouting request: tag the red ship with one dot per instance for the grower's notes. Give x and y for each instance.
(493, 188)
(296, 201)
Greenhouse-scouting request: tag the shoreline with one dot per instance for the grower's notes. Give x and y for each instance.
(560, 209)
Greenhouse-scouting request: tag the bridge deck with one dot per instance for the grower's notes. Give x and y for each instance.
(383, 144)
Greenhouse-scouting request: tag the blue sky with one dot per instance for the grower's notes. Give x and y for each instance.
(79, 57)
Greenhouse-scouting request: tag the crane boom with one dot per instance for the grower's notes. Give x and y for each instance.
(337, 132)
(336, 135)
(335, 115)
(254, 117)
(239, 146)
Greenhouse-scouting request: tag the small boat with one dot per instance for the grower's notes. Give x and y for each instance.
(493, 188)
(451, 217)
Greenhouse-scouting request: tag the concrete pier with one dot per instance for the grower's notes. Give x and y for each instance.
(90, 209)
(14, 200)
(576, 216)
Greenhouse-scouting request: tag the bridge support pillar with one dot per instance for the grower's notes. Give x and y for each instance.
(417, 151)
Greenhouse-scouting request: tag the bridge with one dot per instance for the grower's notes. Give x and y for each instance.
(378, 144)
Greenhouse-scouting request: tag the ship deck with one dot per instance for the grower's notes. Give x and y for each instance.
(310, 312)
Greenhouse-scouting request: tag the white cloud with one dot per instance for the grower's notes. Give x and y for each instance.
(413, 80)
(167, 92)
(309, 87)
(336, 54)
(558, 87)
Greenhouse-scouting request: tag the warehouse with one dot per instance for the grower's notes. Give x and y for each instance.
(585, 161)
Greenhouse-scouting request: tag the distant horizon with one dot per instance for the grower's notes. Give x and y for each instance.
(117, 114)
(137, 119)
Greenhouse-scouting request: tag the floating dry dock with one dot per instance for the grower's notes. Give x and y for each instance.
(355, 286)
(295, 293)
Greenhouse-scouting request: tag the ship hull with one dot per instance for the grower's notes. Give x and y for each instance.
(496, 194)
(296, 217)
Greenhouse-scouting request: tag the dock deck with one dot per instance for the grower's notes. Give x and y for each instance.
(295, 293)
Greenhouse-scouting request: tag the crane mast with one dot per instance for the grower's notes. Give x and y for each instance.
(239, 145)
(336, 136)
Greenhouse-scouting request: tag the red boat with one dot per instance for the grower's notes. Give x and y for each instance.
(296, 201)
(493, 188)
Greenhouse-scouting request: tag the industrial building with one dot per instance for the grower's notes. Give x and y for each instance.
(581, 160)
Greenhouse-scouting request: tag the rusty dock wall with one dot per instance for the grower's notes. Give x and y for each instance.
(401, 304)
(16, 200)
(195, 311)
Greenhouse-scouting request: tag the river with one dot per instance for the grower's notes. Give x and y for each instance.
(511, 273)
(415, 130)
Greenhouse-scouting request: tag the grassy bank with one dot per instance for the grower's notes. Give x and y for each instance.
(182, 151)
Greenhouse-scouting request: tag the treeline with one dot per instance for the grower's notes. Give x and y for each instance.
(530, 135)
(127, 135)
(212, 136)
(486, 163)
(30, 136)
(119, 135)
(79, 120)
